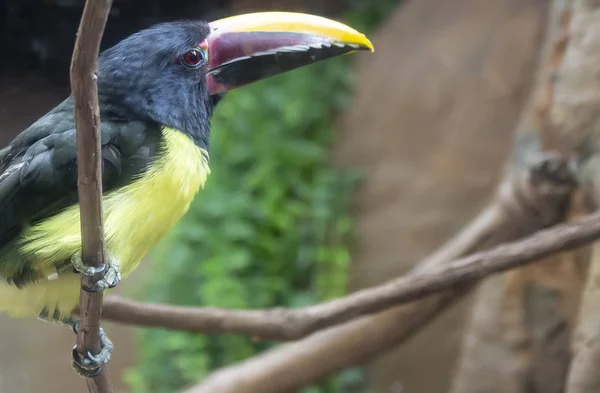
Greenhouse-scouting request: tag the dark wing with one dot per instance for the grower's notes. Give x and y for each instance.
(38, 170)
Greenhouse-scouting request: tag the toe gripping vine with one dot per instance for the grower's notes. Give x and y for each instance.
(89, 365)
(111, 275)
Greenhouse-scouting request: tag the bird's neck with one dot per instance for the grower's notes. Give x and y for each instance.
(186, 107)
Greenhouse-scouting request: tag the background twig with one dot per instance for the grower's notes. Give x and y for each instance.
(84, 68)
(290, 324)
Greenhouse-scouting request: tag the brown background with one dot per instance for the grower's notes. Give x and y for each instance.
(431, 122)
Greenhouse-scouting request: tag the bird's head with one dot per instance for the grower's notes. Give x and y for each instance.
(171, 73)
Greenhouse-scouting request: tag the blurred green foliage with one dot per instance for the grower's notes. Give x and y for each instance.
(270, 229)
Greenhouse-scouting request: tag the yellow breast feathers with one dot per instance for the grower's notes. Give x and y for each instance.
(136, 216)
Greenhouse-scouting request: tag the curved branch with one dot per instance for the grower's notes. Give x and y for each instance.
(288, 324)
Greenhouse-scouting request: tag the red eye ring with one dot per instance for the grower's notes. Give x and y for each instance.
(194, 58)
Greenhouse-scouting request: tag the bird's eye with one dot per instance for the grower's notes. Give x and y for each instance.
(193, 58)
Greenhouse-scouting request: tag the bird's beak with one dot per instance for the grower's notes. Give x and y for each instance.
(246, 48)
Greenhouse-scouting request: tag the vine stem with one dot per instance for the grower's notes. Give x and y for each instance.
(84, 86)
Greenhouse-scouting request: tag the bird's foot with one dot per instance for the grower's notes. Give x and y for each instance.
(89, 365)
(111, 274)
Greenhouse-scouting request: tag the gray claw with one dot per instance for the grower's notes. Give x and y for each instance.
(89, 365)
(82, 268)
(111, 275)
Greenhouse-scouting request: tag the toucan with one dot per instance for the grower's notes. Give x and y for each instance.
(157, 90)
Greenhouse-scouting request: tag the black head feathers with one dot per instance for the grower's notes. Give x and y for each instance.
(141, 78)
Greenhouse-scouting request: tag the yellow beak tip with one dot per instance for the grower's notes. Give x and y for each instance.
(365, 43)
